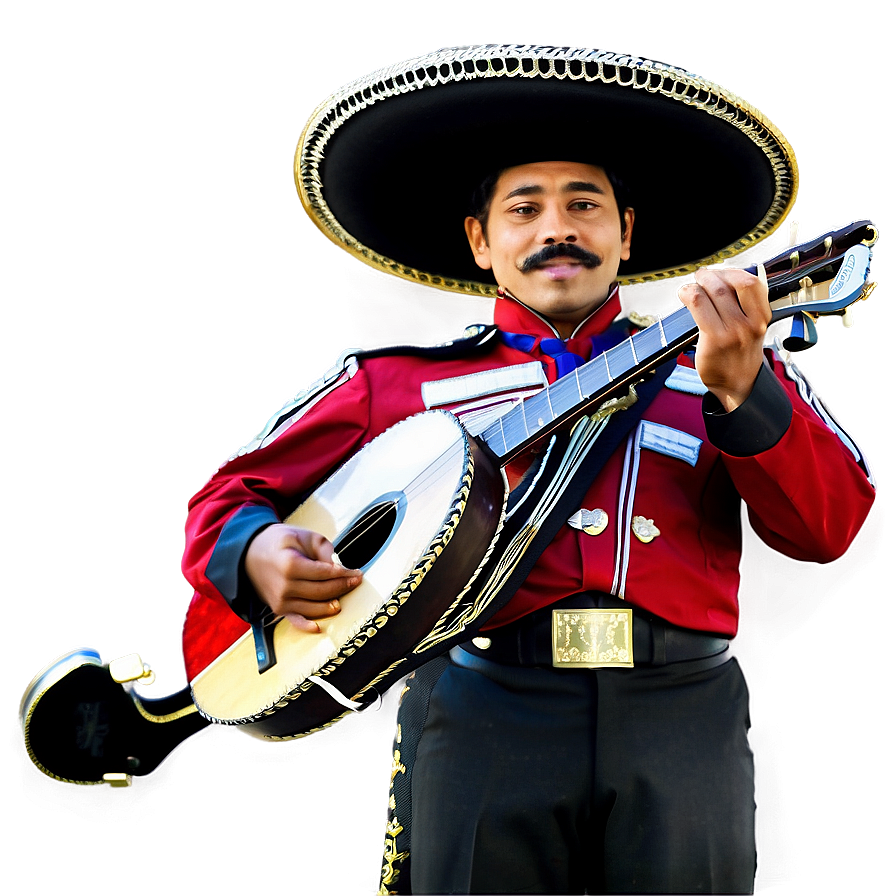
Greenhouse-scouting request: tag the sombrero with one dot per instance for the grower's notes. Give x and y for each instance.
(386, 166)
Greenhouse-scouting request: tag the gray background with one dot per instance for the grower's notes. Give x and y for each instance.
(164, 294)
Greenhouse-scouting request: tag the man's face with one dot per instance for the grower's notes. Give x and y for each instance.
(541, 216)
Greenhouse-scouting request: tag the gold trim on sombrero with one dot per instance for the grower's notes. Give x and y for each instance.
(521, 61)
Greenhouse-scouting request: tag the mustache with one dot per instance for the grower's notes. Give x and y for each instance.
(559, 250)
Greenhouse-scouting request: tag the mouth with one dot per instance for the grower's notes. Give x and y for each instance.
(561, 268)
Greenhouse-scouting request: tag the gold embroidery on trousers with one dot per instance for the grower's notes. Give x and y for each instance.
(391, 857)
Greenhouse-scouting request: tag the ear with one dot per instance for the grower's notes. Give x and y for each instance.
(629, 215)
(478, 243)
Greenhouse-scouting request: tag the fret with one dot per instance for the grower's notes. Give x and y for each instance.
(537, 411)
(567, 393)
(650, 342)
(514, 433)
(618, 361)
(678, 324)
(593, 376)
(662, 331)
(631, 342)
(547, 395)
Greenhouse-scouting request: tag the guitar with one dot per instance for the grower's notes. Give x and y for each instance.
(422, 524)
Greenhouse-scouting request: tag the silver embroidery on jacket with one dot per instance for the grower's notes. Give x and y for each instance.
(478, 399)
(669, 441)
(686, 379)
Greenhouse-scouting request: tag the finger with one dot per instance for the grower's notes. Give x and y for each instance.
(720, 290)
(318, 592)
(295, 566)
(317, 547)
(732, 285)
(303, 624)
(310, 609)
(703, 309)
(314, 545)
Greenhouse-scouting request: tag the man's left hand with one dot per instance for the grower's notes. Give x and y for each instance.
(731, 309)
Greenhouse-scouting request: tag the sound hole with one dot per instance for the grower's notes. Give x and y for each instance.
(370, 532)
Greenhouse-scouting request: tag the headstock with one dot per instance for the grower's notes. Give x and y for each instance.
(824, 277)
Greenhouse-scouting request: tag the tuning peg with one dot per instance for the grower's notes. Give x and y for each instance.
(803, 294)
(869, 288)
(131, 668)
(846, 316)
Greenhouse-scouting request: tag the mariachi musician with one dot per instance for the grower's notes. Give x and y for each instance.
(547, 177)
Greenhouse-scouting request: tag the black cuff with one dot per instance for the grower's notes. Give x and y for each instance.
(225, 568)
(757, 425)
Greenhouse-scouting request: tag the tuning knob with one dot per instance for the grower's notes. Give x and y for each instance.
(131, 668)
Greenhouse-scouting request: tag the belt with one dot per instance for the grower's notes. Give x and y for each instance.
(654, 642)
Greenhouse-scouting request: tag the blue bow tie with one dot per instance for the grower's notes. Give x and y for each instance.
(559, 349)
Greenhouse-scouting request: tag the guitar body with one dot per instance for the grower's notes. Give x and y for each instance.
(417, 509)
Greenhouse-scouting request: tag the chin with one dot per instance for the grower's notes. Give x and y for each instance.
(571, 305)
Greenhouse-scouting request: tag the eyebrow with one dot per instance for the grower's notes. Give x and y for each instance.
(574, 186)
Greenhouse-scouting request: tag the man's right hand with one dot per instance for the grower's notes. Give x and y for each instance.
(294, 573)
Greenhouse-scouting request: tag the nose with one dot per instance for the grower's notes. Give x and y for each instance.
(557, 226)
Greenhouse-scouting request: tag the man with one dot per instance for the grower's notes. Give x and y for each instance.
(511, 775)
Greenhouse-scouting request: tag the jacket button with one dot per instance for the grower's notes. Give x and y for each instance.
(591, 522)
(644, 529)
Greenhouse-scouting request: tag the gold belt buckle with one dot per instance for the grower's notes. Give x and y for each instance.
(592, 638)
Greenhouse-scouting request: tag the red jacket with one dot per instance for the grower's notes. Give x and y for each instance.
(685, 468)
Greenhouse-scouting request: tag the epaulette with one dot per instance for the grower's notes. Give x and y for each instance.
(641, 321)
(474, 338)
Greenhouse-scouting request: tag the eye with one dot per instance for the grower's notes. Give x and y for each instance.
(583, 205)
(523, 211)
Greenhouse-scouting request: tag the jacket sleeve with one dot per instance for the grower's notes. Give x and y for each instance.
(806, 485)
(267, 480)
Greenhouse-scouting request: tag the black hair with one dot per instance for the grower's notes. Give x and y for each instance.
(481, 200)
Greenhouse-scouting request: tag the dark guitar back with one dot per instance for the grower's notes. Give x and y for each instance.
(84, 725)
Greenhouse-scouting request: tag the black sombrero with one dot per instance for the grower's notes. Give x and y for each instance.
(386, 166)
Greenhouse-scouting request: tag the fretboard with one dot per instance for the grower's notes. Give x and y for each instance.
(587, 386)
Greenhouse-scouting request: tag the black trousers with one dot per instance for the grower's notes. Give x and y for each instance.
(534, 780)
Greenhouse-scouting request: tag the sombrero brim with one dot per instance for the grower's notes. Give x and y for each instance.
(386, 166)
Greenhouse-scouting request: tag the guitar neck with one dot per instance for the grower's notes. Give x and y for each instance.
(588, 386)
(840, 258)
